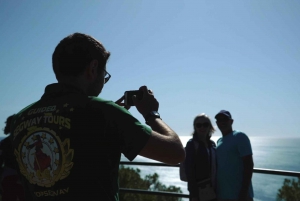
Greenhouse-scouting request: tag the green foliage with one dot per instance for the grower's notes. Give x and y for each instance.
(290, 191)
(130, 178)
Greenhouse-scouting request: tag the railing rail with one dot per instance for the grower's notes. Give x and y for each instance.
(256, 170)
(161, 193)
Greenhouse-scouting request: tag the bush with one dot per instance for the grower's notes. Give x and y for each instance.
(130, 178)
(290, 191)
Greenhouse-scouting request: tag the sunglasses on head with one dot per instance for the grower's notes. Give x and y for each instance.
(205, 125)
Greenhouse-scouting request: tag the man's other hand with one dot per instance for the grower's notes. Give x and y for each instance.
(121, 103)
(148, 103)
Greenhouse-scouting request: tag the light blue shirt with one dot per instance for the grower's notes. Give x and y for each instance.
(230, 151)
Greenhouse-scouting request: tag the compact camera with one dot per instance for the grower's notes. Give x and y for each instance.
(128, 96)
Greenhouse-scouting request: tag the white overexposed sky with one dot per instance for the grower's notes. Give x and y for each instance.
(197, 56)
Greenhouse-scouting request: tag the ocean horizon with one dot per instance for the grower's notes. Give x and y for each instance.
(277, 153)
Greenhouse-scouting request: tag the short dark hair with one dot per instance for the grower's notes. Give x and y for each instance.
(75, 52)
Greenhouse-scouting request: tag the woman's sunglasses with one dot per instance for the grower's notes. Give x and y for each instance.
(205, 125)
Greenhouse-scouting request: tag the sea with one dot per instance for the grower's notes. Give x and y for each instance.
(278, 153)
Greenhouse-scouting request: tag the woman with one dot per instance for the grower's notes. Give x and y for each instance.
(200, 164)
(11, 188)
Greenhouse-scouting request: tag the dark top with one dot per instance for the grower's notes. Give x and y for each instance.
(198, 163)
(68, 145)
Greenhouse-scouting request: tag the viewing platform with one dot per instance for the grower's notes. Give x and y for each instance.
(182, 195)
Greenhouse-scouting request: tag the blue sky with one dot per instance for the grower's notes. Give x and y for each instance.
(197, 56)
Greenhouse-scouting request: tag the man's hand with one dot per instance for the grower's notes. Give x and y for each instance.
(121, 103)
(147, 104)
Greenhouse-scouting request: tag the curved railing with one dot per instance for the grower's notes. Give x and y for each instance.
(256, 170)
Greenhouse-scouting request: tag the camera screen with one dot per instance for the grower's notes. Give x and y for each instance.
(129, 94)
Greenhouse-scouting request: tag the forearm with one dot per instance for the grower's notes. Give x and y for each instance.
(246, 179)
(162, 128)
(244, 192)
(247, 175)
(164, 144)
(159, 126)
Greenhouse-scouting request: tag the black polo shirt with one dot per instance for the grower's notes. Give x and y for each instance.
(68, 145)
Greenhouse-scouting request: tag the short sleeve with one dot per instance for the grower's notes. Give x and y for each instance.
(132, 134)
(244, 145)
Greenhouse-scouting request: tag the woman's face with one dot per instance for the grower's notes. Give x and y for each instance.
(202, 126)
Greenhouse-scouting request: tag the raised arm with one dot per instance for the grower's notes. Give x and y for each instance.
(164, 144)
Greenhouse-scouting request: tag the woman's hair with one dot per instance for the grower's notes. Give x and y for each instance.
(211, 130)
(8, 124)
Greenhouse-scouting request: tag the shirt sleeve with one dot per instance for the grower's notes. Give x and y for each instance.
(133, 135)
(244, 145)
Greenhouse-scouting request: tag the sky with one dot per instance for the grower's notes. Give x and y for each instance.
(197, 56)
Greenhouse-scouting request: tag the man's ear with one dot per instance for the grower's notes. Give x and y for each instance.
(91, 71)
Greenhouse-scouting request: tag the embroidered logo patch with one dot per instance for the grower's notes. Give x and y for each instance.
(43, 158)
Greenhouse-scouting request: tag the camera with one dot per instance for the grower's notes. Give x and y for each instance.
(128, 96)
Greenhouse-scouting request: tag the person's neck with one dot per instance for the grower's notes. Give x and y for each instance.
(73, 81)
(225, 133)
(202, 139)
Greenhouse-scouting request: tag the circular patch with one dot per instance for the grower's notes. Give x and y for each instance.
(42, 157)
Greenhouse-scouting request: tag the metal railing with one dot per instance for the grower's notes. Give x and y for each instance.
(163, 193)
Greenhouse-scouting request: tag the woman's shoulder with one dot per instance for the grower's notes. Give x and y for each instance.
(189, 142)
(213, 144)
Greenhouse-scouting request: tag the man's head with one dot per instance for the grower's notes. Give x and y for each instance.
(81, 55)
(224, 121)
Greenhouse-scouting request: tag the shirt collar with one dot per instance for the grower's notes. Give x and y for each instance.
(59, 89)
